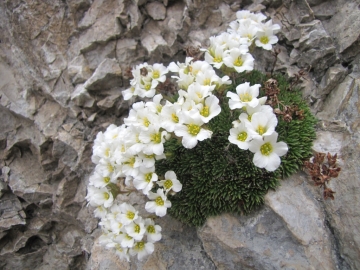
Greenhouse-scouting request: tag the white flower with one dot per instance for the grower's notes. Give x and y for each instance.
(153, 232)
(116, 226)
(207, 78)
(191, 132)
(171, 182)
(148, 161)
(240, 62)
(210, 109)
(160, 203)
(105, 239)
(179, 66)
(99, 197)
(129, 93)
(198, 92)
(215, 56)
(246, 117)
(262, 124)
(170, 116)
(158, 72)
(105, 225)
(155, 105)
(100, 211)
(239, 136)
(126, 241)
(145, 179)
(142, 117)
(128, 214)
(267, 152)
(153, 140)
(184, 80)
(122, 252)
(129, 168)
(136, 229)
(246, 95)
(142, 249)
(266, 39)
(100, 181)
(244, 14)
(108, 168)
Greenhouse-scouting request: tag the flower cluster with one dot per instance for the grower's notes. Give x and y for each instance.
(125, 156)
(146, 79)
(129, 152)
(231, 48)
(126, 231)
(255, 129)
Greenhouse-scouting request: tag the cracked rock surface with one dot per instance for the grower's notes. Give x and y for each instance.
(62, 68)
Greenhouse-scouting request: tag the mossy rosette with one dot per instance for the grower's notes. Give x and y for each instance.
(219, 177)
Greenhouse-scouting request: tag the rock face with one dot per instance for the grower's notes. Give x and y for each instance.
(62, 68)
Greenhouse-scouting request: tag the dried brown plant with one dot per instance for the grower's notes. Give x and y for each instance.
(322, 171)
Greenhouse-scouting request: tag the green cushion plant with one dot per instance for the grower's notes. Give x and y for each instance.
(218, 177)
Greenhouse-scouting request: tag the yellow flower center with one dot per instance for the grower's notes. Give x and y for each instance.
(137, 138)
(128, 237)
(168, 184)
(217, 59)
(242, 136)
(148, 177)
(147, 87)
(186, 70)
(193, 129)
(238, 62)
(119, 248)
(150, 156)
(131, 162)
(266, 149)
(207, 81)
(107, 152)
(139, 246)
(159, 201)
(110, 168)
(137, 228)
(106, 195)
(151, 229)
(146, 122)
(205, 111)
(106, 179)
(156, 137)
(159, 108)
(264, 40)
(245, 97)
(130, 215)
(156, 74)
(174, 118)
(261, 130)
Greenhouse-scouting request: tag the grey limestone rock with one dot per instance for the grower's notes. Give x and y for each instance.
(106, 76)
(156, 10)
(63, 65)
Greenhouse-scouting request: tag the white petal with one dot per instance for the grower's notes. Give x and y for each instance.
(281, 148)
(273, 162)
(189, 142)
(150, 207)
(161, 211)
(260, 160)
